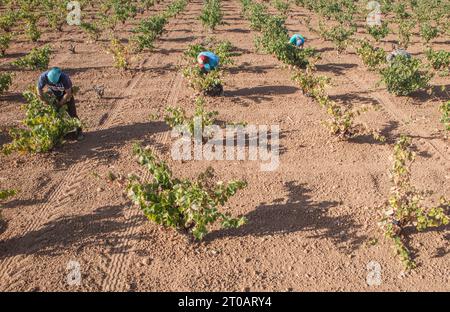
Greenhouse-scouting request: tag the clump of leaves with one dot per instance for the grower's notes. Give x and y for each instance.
(5, 194)
(8, 20)
(154, 24)
(38, 58)
(114, 11)
(404, 76)
(31, 29)
(372, 57)
(405, 27)
(445, 118)
(207, 83)
(211, 15)
(257, 14)
(120, 54)
(439, 60)
(340, 35)
(428, 32)
(147, 31)
(5, 82)
(281, 6)
(91, 29)
(4, 43)
(378, 32)
(44, 126)
(223, 49)
(175, 7)
(177, 117)
(186, 205)
(311, 84)
(56, 14)
(341, 122)
(275, 40)
(147, 4)
(405, 208)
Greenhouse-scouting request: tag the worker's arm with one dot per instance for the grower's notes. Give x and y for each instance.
(40, 93)
(66, 98)
(40, 87)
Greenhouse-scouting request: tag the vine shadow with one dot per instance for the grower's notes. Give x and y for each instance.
(260, 93)
(102, 227)
(299, 213)
(104, 145)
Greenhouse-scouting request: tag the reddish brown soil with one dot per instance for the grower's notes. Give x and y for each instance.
(309, 223)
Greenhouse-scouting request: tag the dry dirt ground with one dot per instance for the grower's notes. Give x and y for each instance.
(309, 222)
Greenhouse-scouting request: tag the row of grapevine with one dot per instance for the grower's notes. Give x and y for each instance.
(45, 126)
(189, 206)
(275, 40)
(403, 75)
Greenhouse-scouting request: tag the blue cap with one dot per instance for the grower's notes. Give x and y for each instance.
(54, 74)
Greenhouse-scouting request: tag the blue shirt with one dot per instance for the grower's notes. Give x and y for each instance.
(213, 59)
(297, 40)
(57, 89)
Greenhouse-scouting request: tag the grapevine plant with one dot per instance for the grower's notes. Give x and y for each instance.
(43, 128)
(183, 204)
(341, 119)
(404, 76)
(115, 11)
(5, 194)
(91, 29)
(210, 83)
(5, 82)
(274, 38)
(372, 57)
(445, 118)
(340, 35)
(439, 60)
(405, 208)
(176, 117)
(120, 54)
(4, 43)
(7, 20)
(378, 32)
(281, 6)
(151, 28)
(147, 31)
(211, 15)
(38, 58)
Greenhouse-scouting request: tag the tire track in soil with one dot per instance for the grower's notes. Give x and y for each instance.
(116, 266)
(120, 261)
(70, 184)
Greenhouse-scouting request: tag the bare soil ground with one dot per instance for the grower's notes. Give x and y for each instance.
(309, 222)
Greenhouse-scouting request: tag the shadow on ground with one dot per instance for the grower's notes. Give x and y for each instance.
(103, 227)
(104, 145)
(299, 213)
(261, 93)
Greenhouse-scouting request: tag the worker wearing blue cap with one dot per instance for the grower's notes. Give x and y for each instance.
(297, 40)
(60, 85)
(207, 61)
